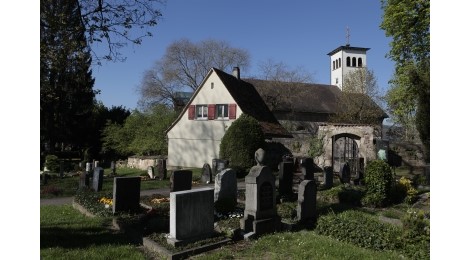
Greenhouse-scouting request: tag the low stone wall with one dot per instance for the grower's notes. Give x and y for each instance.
(143, 162)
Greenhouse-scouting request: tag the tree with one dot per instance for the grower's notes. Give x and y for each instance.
(66, 86)
(284, 79)
(241, 141)
(407, 22)
(112, 23)
(358, 102)
(184, 66)
(143, 133)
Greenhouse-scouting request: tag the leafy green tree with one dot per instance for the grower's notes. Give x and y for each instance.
(143, 133)
(407, 22)
(240, 142)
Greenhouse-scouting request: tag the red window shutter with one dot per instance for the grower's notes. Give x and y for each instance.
(211, 112)
(191, 112)
(232, 111)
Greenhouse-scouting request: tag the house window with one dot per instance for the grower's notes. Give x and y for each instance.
(221, 111)
(359, 62)
(354, 62)
(201, 112)
(348, 61)
(334, 65)
(339, 63)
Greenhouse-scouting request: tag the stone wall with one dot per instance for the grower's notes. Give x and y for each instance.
(142, 162)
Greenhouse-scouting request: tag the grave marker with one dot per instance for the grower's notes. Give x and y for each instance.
(181, 180)
(126, 194)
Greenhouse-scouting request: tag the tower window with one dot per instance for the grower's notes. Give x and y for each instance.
(339, 63)
(348, 62)
(359, 62)
(334, 65)
(354, 62)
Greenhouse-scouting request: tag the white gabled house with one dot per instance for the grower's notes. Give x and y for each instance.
(194, 138)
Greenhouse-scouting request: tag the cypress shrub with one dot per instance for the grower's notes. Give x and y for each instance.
(52, 163)
(241, 141)
(379, 180)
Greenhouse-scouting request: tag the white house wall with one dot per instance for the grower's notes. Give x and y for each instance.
(191, 143)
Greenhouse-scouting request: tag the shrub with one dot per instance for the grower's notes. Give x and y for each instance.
(359, 229)
(344, 193)
(378, 179)
(241, 141)
(52, 163)
(287, 210)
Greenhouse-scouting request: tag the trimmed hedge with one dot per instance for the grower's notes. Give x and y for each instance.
(379, 180)
(241, 141)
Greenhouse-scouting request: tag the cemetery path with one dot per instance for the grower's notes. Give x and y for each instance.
(164, 191)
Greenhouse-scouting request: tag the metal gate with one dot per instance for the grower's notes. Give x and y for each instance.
(345, 149)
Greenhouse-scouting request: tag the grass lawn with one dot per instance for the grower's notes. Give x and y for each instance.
(67, 186)
(298, 245)
(67, 234)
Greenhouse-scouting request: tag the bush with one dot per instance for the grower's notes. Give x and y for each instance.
(359, 229)
(344, 193)
(241, 141)
(379, 180)
(287, 210)
(52, 163)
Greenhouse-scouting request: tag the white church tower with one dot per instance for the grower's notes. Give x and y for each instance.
(345, 59)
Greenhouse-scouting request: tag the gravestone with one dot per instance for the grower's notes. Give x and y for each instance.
(96, 164)
(225, 187)
(89, 167)
(191, 216)
(307, 201)
(98, 179)
(307, 168)
(61, 171)
(161, 169)
(260, 215)
(113, 168)
(84, 180)
(126, 194)
(327, 177)
(286, 171)
(218, 165)
(345, 173)
(181, 180)
(80, 165)
(206, 173)
(150, 172)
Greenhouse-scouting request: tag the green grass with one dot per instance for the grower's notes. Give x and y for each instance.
(67, 186)
(67, 234)
(299, 245)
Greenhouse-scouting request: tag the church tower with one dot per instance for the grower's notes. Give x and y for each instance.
(345, 59)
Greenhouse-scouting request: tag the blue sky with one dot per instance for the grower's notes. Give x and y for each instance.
(298, 33)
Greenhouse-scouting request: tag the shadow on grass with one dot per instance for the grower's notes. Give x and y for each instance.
(80, 237)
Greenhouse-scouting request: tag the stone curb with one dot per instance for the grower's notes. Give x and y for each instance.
(149, 244)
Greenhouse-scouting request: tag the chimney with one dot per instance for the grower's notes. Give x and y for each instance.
(236, 72)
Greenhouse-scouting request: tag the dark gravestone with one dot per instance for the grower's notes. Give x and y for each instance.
(61, 171)
(225, 187)
(181, 180)
(126, 194)
(161, 169)
(150, 172)
(98, 179)
(206, 173)
(327, 177)
(84, 180)
(113, 168)
(345, 173)
(307, 201)
(286, 171)
(307, 167)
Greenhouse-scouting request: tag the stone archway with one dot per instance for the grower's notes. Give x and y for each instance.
(345, 149)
